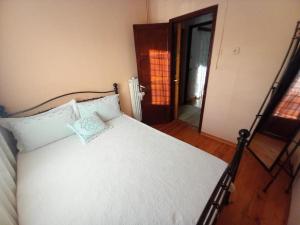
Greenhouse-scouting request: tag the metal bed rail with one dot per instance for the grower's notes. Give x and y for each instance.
(3, 112)
(221, 193)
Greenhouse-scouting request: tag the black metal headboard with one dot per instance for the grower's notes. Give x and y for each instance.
(3, 112)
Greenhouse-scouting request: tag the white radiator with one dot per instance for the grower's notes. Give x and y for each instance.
(136, 98)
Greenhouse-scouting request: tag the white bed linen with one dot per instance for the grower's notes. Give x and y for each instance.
(8, 202)
(129, 175)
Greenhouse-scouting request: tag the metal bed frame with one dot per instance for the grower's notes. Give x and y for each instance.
(221, 194)
(3, 113)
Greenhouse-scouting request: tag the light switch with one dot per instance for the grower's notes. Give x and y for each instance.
(236, 51)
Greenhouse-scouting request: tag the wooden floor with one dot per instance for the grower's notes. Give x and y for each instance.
(266, 148)
(249, 205)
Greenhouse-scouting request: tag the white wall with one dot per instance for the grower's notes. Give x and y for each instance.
(48, 48)
(262, 29)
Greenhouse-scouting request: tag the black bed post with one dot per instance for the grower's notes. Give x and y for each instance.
(235, 162)
(242, 141)
(115, 85)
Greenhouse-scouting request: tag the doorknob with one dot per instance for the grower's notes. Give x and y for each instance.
(176, 81)
(142, 88)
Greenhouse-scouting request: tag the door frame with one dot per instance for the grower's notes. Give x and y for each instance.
(212, 9)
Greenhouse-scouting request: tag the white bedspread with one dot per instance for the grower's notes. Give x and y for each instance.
(130, 175)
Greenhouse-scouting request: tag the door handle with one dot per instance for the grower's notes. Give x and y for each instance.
(142, 88)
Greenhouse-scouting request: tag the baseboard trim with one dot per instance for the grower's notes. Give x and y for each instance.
(218, 139)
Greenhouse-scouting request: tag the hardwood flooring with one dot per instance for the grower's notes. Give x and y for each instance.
(249, 205)
(266, 148)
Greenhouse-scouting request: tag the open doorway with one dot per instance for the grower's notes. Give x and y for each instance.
(192, 45)
(173, 62)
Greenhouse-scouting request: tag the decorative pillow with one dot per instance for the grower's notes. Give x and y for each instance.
(107, 108)
(88, 128)
(36, 131)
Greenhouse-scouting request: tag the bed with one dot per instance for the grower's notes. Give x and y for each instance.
(131, 174)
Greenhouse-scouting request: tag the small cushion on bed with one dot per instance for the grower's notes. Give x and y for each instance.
(88, 128)
(107, 108)
(36, 131)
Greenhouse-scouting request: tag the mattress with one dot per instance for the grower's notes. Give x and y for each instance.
(131, 174)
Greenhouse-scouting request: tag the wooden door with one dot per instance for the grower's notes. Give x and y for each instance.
(153, 66)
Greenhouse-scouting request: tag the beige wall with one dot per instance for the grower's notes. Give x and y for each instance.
(262, 29)
(51, 47)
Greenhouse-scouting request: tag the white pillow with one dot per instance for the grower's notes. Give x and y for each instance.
(36, 131)
(107, 108)
(88, 128)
